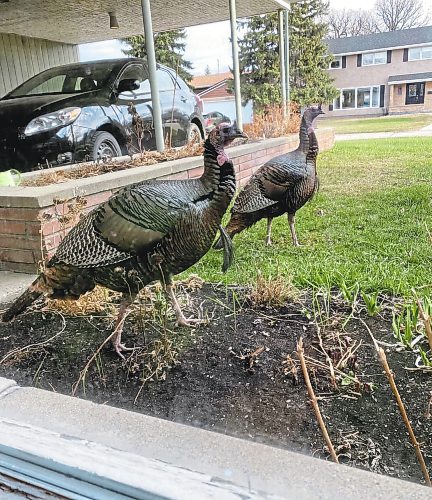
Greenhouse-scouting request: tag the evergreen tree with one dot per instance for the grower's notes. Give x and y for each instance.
(259, 61)
(169, 49)
(309, 60)
(207, 70)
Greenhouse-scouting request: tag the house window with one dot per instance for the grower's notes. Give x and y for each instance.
(358, 98)
(416, 53)
(336, 63)
(374, 58)
(348, 98)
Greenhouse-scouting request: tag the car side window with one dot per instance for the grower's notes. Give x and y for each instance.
(135, 72)
(54, 84)
(165, 80)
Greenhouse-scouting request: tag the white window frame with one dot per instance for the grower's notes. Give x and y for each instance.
(428, 47)
(374, 55)
(336, 58)
(371, 87)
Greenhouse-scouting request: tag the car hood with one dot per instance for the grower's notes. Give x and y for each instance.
(18, 111)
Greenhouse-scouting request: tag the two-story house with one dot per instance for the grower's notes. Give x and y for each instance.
(382, 73)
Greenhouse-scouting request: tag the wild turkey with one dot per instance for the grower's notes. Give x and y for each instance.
(282, 185)
(148, 231)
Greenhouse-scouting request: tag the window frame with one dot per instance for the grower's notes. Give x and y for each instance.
(374, 55)
(336, 58)
(356, 89)
(420, 58)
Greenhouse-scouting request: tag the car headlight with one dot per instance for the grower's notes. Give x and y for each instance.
(52, 120)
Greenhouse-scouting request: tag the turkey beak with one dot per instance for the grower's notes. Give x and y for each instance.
(237, 133)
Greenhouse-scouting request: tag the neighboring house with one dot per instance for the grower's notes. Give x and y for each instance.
(22, 57)
(382, 73)
(213, 91)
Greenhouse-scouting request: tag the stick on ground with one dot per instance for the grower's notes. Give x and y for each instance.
(390, 377)
(314, 401)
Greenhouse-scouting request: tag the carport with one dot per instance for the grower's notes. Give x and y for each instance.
(82, 22)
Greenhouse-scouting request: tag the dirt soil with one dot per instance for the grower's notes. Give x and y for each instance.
(238, 375)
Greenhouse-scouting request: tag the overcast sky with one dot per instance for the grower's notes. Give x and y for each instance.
(205, 45)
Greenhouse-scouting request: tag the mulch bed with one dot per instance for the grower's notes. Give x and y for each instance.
(239, 374)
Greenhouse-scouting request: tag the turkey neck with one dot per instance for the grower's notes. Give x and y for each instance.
(219, 179)
(304, 137)
(313, 149)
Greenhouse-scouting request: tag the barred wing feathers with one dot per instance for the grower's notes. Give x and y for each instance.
(268, 186)
(133, 221)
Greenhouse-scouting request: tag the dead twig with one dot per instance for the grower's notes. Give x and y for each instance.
(427, 322)
(328, 359)
(383, 359)
(84, 371)
(33, 347)
(429, 406)
(314, 401)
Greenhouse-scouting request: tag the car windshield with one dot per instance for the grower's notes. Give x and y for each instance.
(71, 79)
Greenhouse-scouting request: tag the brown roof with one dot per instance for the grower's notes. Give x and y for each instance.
(204, 81)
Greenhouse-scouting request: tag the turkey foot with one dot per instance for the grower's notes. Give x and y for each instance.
(291, 222)
(189, 322)
(119, 347)
(180, 317)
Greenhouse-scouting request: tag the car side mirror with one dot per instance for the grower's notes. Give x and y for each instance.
(128, 85)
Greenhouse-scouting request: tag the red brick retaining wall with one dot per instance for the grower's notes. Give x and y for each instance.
(33, 221)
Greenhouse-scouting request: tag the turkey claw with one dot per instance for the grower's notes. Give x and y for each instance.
(120, 348)
(189, 322)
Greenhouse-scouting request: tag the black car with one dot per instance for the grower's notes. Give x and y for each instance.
(91, 111)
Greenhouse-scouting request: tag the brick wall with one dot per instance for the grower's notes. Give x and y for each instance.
(29, 235)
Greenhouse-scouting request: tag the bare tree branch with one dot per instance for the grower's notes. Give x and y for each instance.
(395, 15)
(349, 22)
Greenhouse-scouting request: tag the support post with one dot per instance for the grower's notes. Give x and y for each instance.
(154, 87)
(236, 67)
(282, 59)
(287, 60)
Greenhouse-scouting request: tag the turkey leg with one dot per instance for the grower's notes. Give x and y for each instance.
(269, 228)
(291, 222)
(116, 335)
(181, 319)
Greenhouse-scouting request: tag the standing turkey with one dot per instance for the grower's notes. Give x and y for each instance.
(148, 231)
(282, 185)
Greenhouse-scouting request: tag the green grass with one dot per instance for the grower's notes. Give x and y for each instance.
(380, 124)
(366, 225)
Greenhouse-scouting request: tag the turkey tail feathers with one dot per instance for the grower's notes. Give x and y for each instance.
(20, 304)
(228, 252)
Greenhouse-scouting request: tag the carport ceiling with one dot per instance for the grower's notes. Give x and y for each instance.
(82, 21)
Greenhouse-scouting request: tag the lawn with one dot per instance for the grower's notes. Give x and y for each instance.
(368, 224)
(380, 124)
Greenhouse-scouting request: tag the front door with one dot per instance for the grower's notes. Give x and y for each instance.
(415, 93)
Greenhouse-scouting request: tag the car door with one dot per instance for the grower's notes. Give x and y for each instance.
(136, 107)
(174, 107)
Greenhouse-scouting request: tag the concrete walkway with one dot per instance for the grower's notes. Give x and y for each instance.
(423, 132)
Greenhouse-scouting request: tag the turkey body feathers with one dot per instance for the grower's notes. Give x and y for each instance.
(148, 231)
(282, 185)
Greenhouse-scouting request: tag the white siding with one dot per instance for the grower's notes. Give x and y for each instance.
(22, 57)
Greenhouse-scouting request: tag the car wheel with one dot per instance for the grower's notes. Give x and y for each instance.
(194, 134)
(104, 147)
